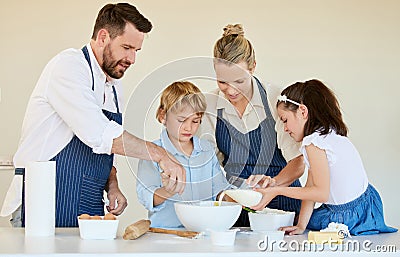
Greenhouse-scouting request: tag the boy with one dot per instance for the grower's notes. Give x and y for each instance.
(181, 109)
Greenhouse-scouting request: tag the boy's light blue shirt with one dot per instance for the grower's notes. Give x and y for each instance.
(204, 180)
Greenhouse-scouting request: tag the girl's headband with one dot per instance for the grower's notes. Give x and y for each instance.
(283, 98)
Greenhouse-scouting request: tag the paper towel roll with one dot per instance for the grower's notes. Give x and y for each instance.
(40, 204)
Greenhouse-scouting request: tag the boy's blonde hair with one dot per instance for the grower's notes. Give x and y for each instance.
(179, 95)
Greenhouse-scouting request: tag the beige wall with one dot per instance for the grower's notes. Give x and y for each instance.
(351, 45)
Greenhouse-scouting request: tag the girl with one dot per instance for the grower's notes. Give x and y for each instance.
(181, 109)
(336, 175)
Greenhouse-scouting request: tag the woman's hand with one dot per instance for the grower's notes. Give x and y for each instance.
(261, 180)
(293, 230)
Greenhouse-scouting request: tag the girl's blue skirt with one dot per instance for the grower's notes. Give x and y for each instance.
(363, 216)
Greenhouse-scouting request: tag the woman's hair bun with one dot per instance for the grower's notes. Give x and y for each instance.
(236, 29)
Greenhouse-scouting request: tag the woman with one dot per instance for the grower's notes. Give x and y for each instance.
(241, 115)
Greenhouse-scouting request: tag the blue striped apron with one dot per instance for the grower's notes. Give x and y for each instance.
(255, 152)
(81, 175)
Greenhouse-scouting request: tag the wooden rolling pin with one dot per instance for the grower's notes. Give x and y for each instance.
(136, 229)
(181, 233)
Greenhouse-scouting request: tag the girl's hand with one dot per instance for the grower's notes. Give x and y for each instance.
(261, 180)
(268, 195)
(292, 230)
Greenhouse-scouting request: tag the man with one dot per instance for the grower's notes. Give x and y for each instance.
(73, 117)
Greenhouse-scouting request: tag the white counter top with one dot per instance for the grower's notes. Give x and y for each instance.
(67, 242)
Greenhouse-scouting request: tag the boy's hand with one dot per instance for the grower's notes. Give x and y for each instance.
(166, 180)
(174, 171)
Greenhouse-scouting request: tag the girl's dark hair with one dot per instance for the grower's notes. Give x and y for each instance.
(113, 18)
(323, 108)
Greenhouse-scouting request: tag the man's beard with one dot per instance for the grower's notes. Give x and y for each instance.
(110, 65)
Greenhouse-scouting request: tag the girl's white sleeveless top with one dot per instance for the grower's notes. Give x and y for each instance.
(348, 179)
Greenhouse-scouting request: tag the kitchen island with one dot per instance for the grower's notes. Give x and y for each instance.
(67, 242)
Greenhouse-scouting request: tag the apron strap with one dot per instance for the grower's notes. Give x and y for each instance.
(19, 171)
(87, 57)
(116, 99)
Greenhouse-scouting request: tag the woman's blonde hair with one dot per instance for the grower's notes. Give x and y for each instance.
(233, 47)
(180, 95)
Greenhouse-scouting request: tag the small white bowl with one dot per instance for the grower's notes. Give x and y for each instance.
(223, 238)
(270, 240)
(98, 229)
(271, 235)
(270, 219)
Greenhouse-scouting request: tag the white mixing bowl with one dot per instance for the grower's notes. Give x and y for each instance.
(207, 215)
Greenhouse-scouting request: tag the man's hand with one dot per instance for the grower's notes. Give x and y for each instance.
(130, 145)
(174, 171)
(117, 200)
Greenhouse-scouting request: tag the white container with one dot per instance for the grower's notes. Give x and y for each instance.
(98, 229)
(223, 238)
(40, 198)
(270, 240)
(246, 197)
(270, 219)
(207, 215)
(271, 235)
